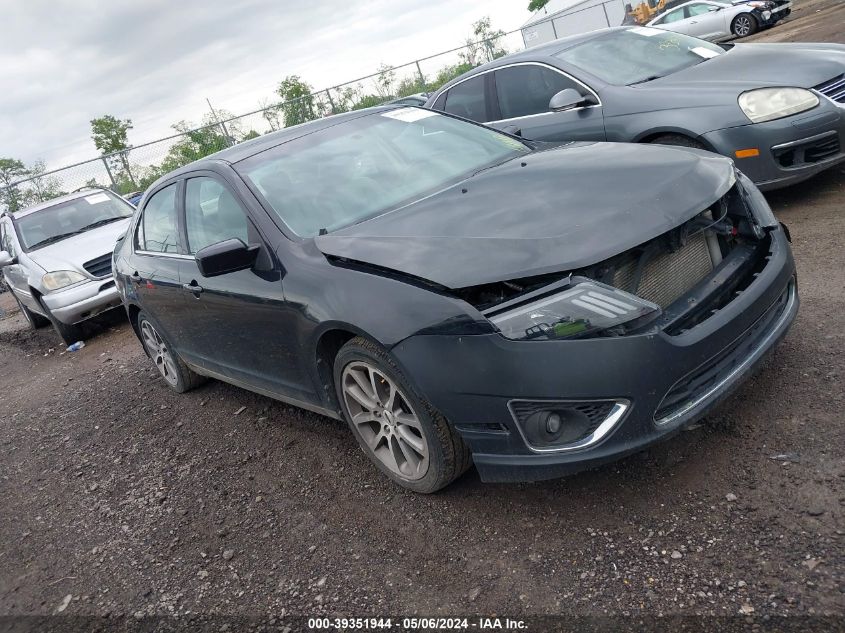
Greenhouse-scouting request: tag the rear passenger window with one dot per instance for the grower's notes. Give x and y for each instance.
(527, 90)
(158, 230)
(212, 214)
(467, 100)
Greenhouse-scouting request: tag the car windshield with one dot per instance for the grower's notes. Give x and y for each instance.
(367, 166)
(639, 54)
(65, 219)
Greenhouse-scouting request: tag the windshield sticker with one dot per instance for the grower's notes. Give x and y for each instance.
(409, 115)
(706, 53)
(96, 198)
(646, 31)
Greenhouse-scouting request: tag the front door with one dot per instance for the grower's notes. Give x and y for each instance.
(235, 327)
(523, 93)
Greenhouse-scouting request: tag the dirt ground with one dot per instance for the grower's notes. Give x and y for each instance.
(121, 498)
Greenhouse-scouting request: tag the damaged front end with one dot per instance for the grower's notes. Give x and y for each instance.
(672, 282)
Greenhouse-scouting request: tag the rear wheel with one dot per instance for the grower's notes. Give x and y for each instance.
(34, 321)
(744, 25)
(175, 372)
(677, 139)
(400, 432)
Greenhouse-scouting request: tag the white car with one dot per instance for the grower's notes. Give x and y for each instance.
(720, 19)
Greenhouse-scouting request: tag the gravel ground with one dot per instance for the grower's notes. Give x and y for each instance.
(121, 498)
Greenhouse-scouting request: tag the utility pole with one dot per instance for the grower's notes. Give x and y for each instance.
(222, 125)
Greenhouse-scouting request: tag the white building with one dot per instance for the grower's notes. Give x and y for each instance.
(568, 17)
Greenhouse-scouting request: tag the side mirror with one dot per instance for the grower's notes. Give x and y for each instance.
(512, 129)
(566, 100)
(6, 259)
(227, 256)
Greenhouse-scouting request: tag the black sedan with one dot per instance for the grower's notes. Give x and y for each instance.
(457, 294)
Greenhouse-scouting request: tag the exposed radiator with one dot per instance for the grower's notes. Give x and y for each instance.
(666, 276)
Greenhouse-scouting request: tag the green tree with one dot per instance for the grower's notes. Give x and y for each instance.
(195, 143)
(448, 73)
(298, 104)
(11, 170)
(536, 5)
(42, 187)
(486, 40)
(368, 101)
(110, 135)
(409, 85)
(384, 81)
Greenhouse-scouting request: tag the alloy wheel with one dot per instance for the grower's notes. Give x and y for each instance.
(384, 418)
(743, 26)
(160, 353)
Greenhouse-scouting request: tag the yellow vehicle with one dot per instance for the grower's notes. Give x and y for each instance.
(646, 10)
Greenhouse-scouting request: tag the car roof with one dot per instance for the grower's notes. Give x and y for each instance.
(20, 213)
(536, 53)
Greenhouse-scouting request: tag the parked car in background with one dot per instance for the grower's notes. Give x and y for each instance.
(134, 198)
(56, 258)
(777, 109)
(717, 20)
(454, 292)
(411, 100)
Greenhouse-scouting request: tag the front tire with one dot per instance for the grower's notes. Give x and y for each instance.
(744, 25)
(401, 433)
(34, 321)
(69, 333)
(175, 372)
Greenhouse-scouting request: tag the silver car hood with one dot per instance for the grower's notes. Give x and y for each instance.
(73, 252)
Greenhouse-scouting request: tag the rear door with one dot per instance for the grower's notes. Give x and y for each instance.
(523, 92)
(237, 328)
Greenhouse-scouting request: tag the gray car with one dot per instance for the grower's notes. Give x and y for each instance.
(56, 258)
(777, 109)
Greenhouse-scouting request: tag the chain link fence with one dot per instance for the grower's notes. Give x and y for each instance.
(136, 168)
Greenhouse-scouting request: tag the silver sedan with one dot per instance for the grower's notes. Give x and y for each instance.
(719, 19)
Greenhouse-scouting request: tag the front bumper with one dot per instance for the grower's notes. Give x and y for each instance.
(472, 379)
(791, 149)
(83, 301)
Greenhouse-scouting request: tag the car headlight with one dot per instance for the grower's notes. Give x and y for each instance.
(758, 4)
(762, 213)
(582, 309)
(767, 104)
(60, 279)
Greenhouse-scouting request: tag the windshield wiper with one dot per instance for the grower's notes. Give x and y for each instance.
(94, 225)
(642, 81)
(55, 238)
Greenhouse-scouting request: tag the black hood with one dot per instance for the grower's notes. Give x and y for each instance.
(549, 211)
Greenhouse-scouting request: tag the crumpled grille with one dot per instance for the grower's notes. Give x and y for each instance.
(666, 276)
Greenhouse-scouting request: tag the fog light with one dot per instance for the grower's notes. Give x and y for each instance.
(553, 423)
(566, 425)
(767, 15)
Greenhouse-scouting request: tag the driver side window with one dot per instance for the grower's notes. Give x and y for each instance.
(673, 16)
(699, 9)
(6, 243)
(212, 214)
(526, 90)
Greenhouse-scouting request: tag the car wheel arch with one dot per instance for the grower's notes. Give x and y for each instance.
(652, 135)
(328, 342)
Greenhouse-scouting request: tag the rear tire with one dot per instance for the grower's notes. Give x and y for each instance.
(744, 25)
(677, 139)
(401, 432)
(175, 372)
(34, 321)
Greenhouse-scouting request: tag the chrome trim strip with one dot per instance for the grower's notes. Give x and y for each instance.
(620, 408)
(264, 392)
(750, 359)
(801, 141)
(171, 255)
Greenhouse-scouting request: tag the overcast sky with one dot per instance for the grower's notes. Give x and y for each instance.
(64, 62)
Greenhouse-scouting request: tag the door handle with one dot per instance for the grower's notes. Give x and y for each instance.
(135, 277)
(192, 287)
